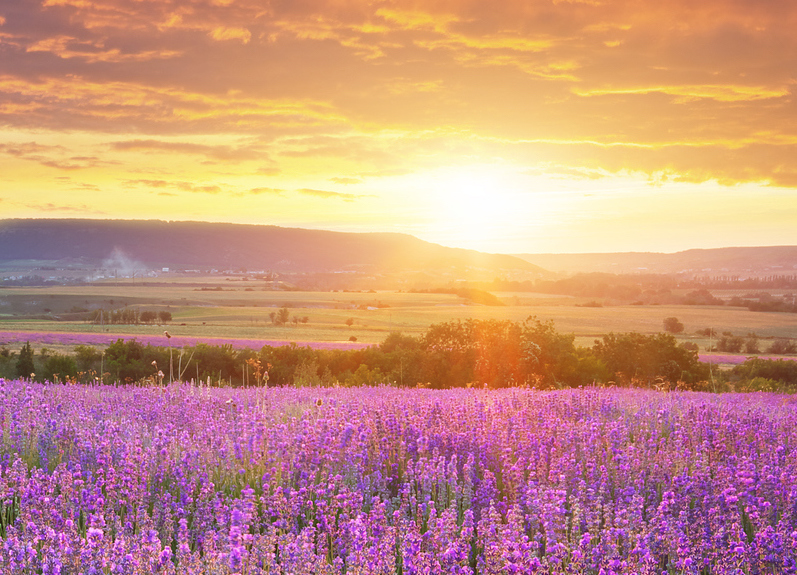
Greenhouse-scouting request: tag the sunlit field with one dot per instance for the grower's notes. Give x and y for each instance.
(243, 311)
(380, 480)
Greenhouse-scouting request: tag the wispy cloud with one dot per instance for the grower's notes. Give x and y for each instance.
(178, 185)
(250, 100)
(328, 195)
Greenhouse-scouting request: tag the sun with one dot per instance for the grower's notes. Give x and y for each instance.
(477, 205)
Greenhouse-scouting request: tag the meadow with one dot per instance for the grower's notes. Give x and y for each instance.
(194, 480)
(242, 309)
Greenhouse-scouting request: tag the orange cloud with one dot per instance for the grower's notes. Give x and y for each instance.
(225, 33)
(215, 96)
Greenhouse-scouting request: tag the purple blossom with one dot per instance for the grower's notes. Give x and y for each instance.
(135, 480)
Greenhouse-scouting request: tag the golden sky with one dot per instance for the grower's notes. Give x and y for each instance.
(512, 126)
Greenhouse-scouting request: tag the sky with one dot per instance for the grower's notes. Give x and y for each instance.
(519, 126)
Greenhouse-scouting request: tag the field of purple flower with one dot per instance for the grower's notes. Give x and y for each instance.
(139, 480)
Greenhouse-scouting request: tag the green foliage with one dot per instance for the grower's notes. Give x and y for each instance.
(25, 365)
(779, 370)
(59, 367)
(87, 357)
(760, 384)
(306, 374)
(634, 356)
(364, 376)
(130, 361)
(449, 357)
(550, 357)
(483, 353)
(217, 362)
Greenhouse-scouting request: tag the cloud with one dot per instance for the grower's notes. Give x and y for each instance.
(346, 181)
(269, 171)
(328, 195)
(222, 33)
(51, 156)
(67, 47)
(217, 152)
(178, 185)
(262, 191)
(201, 100)
(51, 207)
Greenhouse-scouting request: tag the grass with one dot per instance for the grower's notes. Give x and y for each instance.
(243, 310)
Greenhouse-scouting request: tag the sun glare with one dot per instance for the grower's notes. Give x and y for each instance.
(479, 205)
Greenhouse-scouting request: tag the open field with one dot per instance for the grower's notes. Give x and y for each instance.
(196, 480)
(242, 309)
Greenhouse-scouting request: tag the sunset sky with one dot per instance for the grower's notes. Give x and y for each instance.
(512, 126)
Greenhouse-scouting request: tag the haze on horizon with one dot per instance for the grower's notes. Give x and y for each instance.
(520, 126)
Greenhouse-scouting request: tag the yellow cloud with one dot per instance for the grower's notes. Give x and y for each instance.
(225, 33)
(69, 47)
(125, 101)
(719, 92)
(418, 20)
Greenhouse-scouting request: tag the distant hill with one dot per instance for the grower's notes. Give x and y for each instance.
(154, 244)
(743, 261)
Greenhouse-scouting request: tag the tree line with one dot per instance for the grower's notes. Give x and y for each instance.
(128, 316)
(483, 353)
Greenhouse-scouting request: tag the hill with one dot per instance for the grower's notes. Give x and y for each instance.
(155, 244)
(733, 261)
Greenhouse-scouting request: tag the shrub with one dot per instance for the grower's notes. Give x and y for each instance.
(59, 367)
(782, 346)
(781, 370)
(672, 325)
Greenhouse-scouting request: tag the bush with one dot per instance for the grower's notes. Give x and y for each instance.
(672, 325)
(59, 367)
(730, 344)
(760, 384)
(781, 370)
(782, 346)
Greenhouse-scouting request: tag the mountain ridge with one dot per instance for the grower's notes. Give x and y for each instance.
(742, 260)
(159, 243)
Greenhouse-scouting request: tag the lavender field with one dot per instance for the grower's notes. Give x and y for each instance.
(182, 479)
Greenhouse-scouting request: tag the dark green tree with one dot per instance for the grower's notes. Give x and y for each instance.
(637, 358)
(25, 362)
(59, 367)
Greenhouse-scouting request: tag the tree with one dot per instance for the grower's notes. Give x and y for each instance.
(165, 316)
(148, 316)
(672, 325)
(87, 357)
(59, 367)
(550, 357)
(283, 315)
(633, 356)
(25, 366)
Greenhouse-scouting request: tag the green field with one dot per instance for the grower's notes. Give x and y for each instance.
(242, 309)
